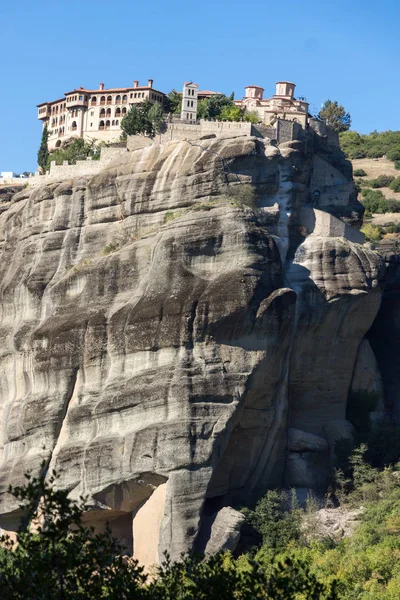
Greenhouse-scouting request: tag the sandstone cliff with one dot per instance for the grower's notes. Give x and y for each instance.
(165, 321)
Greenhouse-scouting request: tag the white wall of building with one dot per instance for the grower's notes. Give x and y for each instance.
(189, 101)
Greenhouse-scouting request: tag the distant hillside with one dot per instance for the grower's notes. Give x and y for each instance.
(373, 145)
(376, 168)
(382, 204)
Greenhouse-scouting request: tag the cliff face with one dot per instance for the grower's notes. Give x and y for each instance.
(159, 335)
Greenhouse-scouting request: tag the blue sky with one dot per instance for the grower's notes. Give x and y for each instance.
(345, 50)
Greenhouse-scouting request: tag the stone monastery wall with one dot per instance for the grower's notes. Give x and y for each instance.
(82, 167)
(179, 132)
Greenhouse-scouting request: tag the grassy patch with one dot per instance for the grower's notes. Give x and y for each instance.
(170, 215)
(111, 247)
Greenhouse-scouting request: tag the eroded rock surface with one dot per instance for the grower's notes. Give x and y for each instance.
(159, 332)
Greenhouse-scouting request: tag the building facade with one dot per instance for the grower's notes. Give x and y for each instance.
(282, 105)
(189, 101)
(93, 114)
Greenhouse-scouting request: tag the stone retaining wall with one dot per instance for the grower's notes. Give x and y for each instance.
(81, 168)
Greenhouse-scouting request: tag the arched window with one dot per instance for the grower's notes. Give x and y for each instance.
(108, 112)
(107, 124)
(58, 142)
(118, 112)
(113, 123)
(101, 125)
(109, 99)
(117, 122)
(124, 99)
(124, 111)
(73, 126)
(102, 100)
(94, 101)
(102, 112)
(118, 99)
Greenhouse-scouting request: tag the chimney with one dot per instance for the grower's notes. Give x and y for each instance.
(101, 86)
(135, 83)
(150, 83)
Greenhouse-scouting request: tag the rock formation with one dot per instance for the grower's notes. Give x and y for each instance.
(166, 320)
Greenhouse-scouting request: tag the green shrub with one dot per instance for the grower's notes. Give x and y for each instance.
(111, 247)
(375, 202)
(395, 184)
(392, 206)
(373, 233)
(359, 173)
(381, 181)
(169, 216)
(392, 228)
(243, 194)
(277, 518)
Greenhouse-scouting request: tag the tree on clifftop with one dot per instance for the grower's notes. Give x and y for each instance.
(43, 153)
(210, 108)
(335, 115)
(145, 119)
(173, 102)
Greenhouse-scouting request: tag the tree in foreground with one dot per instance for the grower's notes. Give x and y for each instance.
(335, 115)
(143, 119)
(43, 152)
(57, 558)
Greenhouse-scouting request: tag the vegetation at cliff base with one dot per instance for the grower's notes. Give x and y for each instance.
(366, 481)
(58, 558)
(335, 115)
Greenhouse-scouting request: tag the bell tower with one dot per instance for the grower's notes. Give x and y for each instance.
(189, 101)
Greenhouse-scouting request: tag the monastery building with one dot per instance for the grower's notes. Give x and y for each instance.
(282, 105)
(93, 114)
(97, 114)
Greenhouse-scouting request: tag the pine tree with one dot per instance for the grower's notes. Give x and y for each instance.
(43, 153)
(335, 116)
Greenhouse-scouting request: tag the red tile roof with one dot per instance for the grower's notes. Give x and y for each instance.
(113, 90)
(207, 92)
